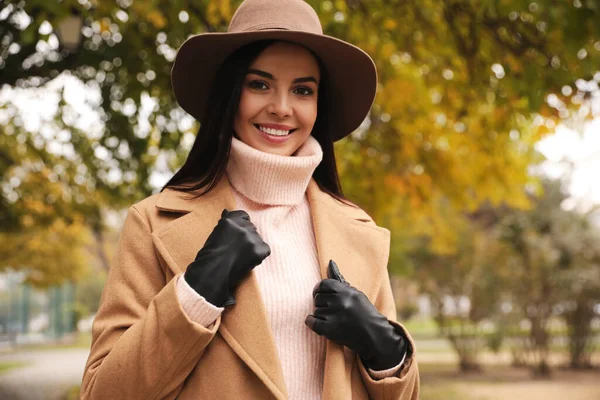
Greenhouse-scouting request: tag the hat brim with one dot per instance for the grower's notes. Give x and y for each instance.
(352, 73)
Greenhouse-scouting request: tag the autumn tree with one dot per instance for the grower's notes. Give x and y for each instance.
(465, 89)
(466, 283)
(554, 267)
(577, 239)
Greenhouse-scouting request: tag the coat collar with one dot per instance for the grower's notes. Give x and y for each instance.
(343, 233)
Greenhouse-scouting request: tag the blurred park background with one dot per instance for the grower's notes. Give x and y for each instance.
(481, 155)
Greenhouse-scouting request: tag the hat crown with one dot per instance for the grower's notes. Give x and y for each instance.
(292, 15)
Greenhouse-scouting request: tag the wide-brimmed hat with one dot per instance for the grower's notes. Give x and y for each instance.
(351, 72)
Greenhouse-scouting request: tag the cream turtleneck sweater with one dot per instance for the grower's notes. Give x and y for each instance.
(272, 190)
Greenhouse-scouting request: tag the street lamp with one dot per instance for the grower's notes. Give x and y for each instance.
(69, 32)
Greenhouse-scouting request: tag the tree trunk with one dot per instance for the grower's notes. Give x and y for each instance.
(467, 353)
(540, 346)
(466, 364)
(580, 334)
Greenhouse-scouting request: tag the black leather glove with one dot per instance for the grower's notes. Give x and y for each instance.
(345, 315)
(231, 251)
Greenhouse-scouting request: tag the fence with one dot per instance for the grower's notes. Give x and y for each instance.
(32, 315)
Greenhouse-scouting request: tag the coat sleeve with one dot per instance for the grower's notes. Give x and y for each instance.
(405, 385)
(143, 343)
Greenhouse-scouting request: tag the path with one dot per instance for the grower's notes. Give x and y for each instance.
(47, 375)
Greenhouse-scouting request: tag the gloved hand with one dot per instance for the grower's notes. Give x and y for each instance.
(345, 315)
(231, 251)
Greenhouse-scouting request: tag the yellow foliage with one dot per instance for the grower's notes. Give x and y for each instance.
(390, 24)
(218, 12)
(157, 19)
(341, 5)
(225, 8)
(48, 255)
(440, 125)
(104, 25)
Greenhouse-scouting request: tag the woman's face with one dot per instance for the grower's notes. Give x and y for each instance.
(278, 103)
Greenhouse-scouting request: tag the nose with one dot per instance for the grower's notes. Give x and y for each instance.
(280, 105)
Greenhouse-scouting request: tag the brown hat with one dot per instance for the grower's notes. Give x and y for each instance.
(352, 74)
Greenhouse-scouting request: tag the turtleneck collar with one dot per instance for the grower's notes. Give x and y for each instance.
(272, 179)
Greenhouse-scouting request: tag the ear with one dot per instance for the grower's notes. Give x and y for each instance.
(224, 213)
(334, 273)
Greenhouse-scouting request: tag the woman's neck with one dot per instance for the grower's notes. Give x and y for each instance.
(272, 179)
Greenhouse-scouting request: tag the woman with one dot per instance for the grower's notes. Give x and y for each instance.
(249, 276)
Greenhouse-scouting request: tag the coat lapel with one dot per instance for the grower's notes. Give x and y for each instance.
(342, 233)
(360, 249)
(244, 326)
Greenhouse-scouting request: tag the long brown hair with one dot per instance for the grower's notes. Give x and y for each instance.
(207, 160)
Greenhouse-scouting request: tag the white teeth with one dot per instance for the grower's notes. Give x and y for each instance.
(274, 132)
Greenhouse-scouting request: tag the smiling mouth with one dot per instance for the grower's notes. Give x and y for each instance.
(274, 132)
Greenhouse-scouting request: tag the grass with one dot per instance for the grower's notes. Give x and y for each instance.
(421, 327)
(442, 381)
(427, 327)
(442, 392)
(499, 382)
(82, 341)
(6, 366)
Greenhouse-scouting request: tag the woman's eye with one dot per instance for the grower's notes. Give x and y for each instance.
(260, 85)
(303, 91)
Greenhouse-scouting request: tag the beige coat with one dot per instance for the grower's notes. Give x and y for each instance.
(145, 347)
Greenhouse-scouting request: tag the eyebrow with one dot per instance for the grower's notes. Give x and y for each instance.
(267, 75)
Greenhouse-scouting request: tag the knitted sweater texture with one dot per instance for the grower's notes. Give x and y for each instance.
(272, 190)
